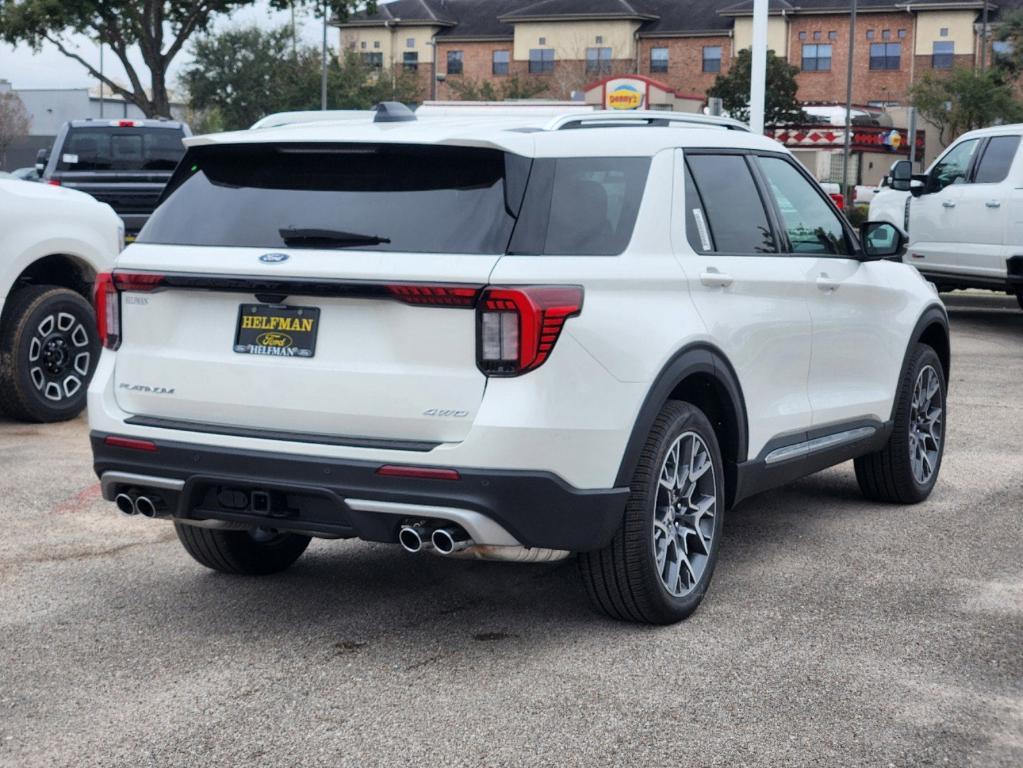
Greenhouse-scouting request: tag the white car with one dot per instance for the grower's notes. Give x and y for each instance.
(593, 334)
(966, 213)
(54, 243)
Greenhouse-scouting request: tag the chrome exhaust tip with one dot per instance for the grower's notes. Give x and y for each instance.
(145, 506)
(125, 504)
(451, 539)
(413, 538)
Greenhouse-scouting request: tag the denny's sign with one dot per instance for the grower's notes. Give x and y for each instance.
(625, 93)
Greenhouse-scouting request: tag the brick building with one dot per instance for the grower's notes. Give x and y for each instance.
(561, 45)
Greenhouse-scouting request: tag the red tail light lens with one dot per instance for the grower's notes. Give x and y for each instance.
(108, 310)
(517, 328)
(435, 295)
(419, 473)
(53, 182)
(130, 443)
(138, 282)
(839, 200)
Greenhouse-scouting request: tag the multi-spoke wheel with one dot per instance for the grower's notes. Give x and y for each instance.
(658, 566)
(906, 469)
(49, 334)
(256, 552)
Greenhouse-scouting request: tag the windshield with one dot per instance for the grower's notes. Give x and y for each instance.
(410, 198)
(121, 149)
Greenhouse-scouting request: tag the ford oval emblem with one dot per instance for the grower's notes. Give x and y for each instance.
(273, 258)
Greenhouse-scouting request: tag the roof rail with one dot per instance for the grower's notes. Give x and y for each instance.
(610, 118)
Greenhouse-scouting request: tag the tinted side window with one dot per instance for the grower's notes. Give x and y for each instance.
(997, 159)
(952, 168)
(729, 205)
(810, 223)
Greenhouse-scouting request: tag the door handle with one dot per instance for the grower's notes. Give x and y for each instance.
(826, 284)
(993, 204)
(949, 204)
(714, 278)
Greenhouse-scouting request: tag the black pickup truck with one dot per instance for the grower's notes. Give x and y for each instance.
(125, 163)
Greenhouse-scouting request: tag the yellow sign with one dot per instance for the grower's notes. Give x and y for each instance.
(623, 94)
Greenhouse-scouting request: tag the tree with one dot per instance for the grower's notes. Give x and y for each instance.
(241, 75)
(964, 100)
(159, 29)
(468, 89)
(780, 104)
(14, 122)
(1010, 31)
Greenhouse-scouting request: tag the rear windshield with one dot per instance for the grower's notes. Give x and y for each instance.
(121, 149)
(394, 197)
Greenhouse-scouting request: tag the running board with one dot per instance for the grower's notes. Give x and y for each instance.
(809, 447)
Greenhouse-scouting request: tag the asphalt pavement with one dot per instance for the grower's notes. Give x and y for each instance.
(836, 632)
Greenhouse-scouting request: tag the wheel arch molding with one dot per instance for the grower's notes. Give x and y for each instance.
(931, 329)
(699, 374)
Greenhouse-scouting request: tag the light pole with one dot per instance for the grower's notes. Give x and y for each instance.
(758, 67)
(323, 73)
(101, 98)
(848, 100)
(983, 38)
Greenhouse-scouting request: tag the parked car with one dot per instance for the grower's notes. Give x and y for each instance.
(125, 163)
(26, 174)
(966, 212)
(54, 243)
(510, 341)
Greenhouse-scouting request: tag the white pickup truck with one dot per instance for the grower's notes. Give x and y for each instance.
(53, 242)
(965, 217)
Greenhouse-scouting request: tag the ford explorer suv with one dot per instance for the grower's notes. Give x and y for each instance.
(965, 214)
(54, 243)
(125, 163)
(517, 339)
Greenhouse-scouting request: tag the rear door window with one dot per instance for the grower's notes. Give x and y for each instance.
(111, 148)
(724, 212)
(997, 159)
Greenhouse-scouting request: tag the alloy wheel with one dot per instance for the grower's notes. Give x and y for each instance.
(59, 356)
(925, 425)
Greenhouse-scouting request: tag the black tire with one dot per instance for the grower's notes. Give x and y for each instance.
(1019, 300)
(887, 475)
(623, 579)
(245, 553)
(49, 348)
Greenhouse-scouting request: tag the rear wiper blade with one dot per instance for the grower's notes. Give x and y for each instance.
(315, 238)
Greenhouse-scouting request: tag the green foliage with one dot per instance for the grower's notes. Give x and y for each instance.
(157, 29)
(1010, 30)
(468, 89)
(780, 104)
(857, 214)
(964, 100)
(241, 75)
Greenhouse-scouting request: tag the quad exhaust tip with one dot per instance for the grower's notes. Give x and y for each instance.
(145, 506)
(450, 540)
(125, 504)
(414, 538)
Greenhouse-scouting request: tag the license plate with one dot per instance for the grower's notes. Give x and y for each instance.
(264, 329)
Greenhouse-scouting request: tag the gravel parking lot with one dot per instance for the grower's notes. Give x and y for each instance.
(836, 632)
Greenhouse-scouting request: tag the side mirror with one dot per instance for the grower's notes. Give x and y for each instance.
(902, 175)
(42, 158)
(881, 240)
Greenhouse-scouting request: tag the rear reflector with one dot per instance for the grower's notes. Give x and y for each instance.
(435, 295)
(422, 473)
(517, 328)
(130, 443)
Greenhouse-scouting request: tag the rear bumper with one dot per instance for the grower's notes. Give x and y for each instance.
(343, 497)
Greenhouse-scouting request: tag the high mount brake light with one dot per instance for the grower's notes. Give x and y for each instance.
(517, 328)
(107, 300)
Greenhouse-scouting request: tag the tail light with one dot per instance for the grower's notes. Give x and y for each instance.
(517, 328)
(107, 301)
(53, 182)
(839, 200)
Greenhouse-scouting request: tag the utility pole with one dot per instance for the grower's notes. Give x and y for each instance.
(758, 67)
(848, 101)
(323, 74)
(983, 38)
(101, 78)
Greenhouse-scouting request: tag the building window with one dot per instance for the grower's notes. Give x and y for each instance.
(802, 35)
(943, 52)
(376, 43)
(816, 58)
(712, 58)
(902, 34)
(943, 32)
(1001, 50)
(816, 35)
(410, 42)
(599, 40)
(541, 41)
(598, 61)
(499, 63)
(870, 34)
(541, 60)
(373, 59)
(454, 62)
(363, 45)
(886, 34)
(885, 55)
(832, 35)
(410, 61)
(658, 59)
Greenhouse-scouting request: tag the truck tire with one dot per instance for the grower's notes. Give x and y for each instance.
(906, 469)
(659, 564)
(49, 348)
(258, 552)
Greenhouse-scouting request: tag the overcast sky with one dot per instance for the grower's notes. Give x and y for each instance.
(51, 69)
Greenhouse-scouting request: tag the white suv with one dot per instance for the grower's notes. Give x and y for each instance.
(505, 340)
(965, 216)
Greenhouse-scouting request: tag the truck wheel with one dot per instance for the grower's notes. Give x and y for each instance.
(257, 552)
(49, 348)
(657, 567)
(906, 469)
